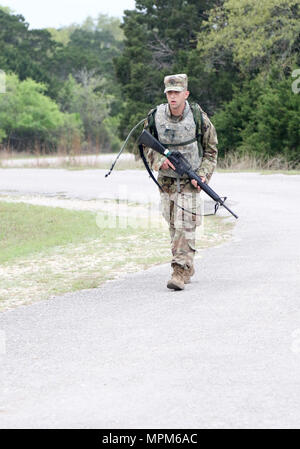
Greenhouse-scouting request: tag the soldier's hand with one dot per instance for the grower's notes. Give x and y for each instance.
(194, 183)
(167, 164)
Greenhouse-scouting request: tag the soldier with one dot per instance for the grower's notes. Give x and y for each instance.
(186, 128)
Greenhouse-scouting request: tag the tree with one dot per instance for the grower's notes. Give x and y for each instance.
(28, 116)
(257, 34)
(90, 47)
(159, 36)
(261, 119)
(62, 35)
(105, 23)
(28, 53)
(258, 45)
(84, 96)
(49, 57)
(6, 9)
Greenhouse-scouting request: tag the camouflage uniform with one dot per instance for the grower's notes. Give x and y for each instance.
(179, 192)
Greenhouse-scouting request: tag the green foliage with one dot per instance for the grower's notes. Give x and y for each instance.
(27, 230)
(105, 23)
(49, 57)
(262, 119)
(211, 88)
(258, 34)
(62, 35)
(158, 39)
(238, 54)
(86, 98)
(238, 70)
(28, 116)
(109, 128)
(257, 43)
(88, 81)
(28, 53)
(91, 46)
(6, 9)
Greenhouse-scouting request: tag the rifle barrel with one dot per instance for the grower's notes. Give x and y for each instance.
(229, 210)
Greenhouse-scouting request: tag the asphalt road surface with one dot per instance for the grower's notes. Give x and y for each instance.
(53, 160)
(133, 185)
(224, 353)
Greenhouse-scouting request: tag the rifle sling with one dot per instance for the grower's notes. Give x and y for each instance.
(148, 168)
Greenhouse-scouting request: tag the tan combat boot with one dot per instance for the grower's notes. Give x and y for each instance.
(188, 273)
(177, 280)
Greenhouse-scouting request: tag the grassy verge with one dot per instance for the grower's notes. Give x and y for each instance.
(259, 171)
(72, 162)
(46, 251)
(230, 163)
(26, 229)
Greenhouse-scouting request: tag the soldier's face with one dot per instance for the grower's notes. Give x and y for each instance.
(177, 99)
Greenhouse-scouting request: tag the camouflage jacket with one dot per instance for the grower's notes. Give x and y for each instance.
(209, 143)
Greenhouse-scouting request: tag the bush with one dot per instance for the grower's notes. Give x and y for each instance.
(262, 119)
(28, 116)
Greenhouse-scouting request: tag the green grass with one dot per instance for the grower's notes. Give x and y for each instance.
(26, 229)
(47, 251)
(260, 171)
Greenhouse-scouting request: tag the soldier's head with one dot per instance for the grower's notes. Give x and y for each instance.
(176, 92)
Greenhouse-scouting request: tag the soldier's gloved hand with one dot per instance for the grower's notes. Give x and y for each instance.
(167, 164)
(194, 183)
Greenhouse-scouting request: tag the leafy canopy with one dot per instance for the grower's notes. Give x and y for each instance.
(28, 115)
(257, 33)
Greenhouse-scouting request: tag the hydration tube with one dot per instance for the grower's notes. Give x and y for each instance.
(123, 146)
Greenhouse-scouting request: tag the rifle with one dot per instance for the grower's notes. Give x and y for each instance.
(182, 166)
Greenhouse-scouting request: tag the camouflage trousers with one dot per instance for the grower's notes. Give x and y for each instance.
(182, 223)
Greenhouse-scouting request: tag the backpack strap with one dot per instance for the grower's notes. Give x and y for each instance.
(198, 119)
(151, 123)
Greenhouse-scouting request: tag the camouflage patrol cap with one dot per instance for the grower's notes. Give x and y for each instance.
(176, 82)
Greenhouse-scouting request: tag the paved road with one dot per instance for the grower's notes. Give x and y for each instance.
(133, 185)
(57, 160)
(224, 353)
